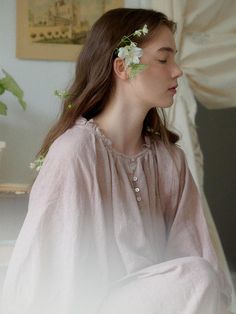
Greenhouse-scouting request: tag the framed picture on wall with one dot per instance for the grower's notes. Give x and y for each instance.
(56, 29)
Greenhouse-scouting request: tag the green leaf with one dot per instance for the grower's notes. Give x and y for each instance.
(135, 69)
(23, 103)
(3, 109)
(2, 89)
(63, 94)
(9, 84)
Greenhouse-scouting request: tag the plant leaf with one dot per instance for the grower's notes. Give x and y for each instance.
(3, 109)
(22, 102)
(136, 68)
(9, 84)
(2, 89)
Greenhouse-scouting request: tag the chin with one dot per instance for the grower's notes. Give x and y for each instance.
(165, 105)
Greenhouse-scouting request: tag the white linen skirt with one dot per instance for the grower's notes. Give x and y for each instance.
(187, 285)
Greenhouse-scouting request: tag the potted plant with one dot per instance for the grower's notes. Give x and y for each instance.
(8, 84)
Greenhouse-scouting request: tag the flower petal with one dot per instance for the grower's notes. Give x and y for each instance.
(145, 29)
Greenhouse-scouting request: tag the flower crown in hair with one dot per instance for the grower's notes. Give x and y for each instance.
(130, 53)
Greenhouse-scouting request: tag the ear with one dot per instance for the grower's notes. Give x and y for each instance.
(120, 69)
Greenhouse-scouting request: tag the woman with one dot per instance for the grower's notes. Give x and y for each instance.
(115, 223)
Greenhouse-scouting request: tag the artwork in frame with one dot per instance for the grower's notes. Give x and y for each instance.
(56, 29)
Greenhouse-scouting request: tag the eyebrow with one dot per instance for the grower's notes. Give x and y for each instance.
(169, 49)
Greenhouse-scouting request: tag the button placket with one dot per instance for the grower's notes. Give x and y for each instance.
(135, 183)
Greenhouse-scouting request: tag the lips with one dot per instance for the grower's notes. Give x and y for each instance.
(174, 87)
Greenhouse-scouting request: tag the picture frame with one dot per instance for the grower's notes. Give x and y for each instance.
(56, 29)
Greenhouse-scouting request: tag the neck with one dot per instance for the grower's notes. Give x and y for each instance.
(122, 126)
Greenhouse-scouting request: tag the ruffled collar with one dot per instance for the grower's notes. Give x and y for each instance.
(92, 125)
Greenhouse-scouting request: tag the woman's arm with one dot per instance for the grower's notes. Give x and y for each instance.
(48, 268)
(188, 233)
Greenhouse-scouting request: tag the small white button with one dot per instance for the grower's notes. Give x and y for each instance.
(135, 179)
(132, 159)
(139, 198)
(137, 190)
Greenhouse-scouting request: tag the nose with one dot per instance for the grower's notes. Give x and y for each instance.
(177, 72)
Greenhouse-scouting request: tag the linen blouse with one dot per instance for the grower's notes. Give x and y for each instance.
(96, 216)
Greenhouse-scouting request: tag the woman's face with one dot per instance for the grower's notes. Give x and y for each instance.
(156, 85)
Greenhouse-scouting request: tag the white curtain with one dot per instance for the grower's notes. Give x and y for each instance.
(206, 44)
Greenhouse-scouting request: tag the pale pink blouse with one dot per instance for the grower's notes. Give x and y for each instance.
(96, 215)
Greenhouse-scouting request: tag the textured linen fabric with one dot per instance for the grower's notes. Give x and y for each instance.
(98, 218)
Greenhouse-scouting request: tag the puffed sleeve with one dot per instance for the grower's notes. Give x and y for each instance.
(187, 228)
(50, 263)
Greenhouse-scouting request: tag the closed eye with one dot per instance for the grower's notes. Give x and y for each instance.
(162, 61)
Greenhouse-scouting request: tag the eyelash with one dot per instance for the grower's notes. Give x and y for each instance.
(162, 61)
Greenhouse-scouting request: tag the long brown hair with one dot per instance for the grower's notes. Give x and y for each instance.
(93, 81)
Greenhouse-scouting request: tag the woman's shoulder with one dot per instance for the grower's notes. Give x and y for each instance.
(169, 150)
(170, 155)
(74, 142)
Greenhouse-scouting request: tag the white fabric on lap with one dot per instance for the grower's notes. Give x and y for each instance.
(186, 285)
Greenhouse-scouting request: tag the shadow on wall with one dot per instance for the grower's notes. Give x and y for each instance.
(217, 135)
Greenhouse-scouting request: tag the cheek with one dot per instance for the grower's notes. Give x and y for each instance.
(156, 72)
(155, 80)
(152, 82)
(160, 71)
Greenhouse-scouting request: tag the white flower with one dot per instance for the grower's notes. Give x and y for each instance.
(145, 29)
(138, 33)
(61, 93)
(37, 164)
(130, 54)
